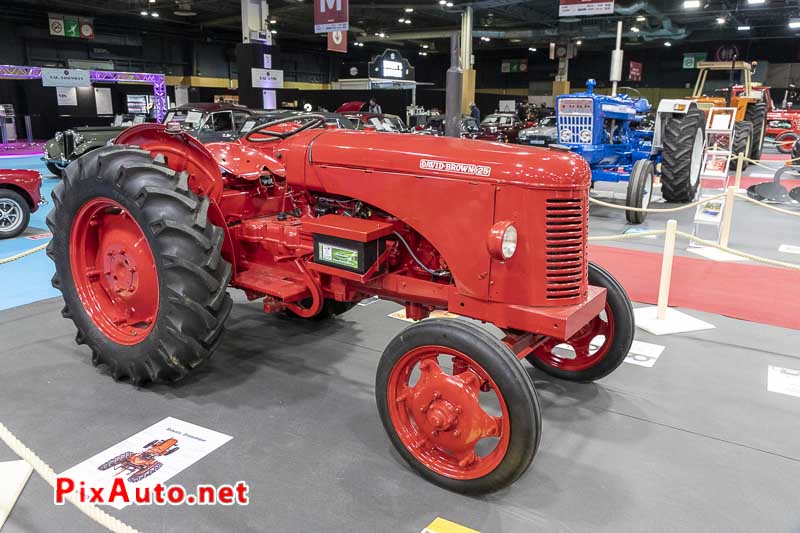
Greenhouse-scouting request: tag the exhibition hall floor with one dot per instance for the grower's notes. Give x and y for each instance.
(694, 443)
(700, 435)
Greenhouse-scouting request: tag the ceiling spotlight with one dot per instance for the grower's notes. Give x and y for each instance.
(381, 35)
(721, 20)
(273, 31)
(273, 21)
(143, 13)
(743, 28)
(667, 44)
(408, 21)
(531, 49)
(425, 46)
(423, 53)
(578, 43)
(635, 29)
(442, 2)
(401, 20)
(409, 10)
(755, 2)
(154, 14)
(152, 1)
(641, 18)
(449, 4)
(794, 23)
(691, 4)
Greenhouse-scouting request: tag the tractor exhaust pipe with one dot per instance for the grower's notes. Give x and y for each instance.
(454, 89)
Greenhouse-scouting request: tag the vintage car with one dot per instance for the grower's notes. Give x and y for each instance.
(500, 127)
(378, 122)
(207, 122)
(332, 120)
(543, 134)
(435, 126)
(19, 197)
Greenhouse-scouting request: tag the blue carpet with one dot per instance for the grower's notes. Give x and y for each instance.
(27, 280)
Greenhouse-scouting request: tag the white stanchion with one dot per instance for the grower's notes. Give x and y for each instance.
(666, 269)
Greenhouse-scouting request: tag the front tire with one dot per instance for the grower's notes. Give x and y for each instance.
(437, 418)
(591, 358)
(139, 265)
(15, 213)
(55, 169)
(640, 190)
(682, 156)
(742, 136)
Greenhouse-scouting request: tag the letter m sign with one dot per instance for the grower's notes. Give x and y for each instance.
(331, 15)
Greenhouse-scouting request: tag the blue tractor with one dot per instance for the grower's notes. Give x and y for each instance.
(612, 134)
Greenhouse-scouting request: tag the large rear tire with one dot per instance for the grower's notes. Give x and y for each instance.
(55, 169)
(139, 265)
(473, 429)
(742, 135)
(756, 115)
(592, 359)
(640, 190)
(682, 156)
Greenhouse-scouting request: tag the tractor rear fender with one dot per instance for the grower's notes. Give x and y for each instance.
(182, 152)
(667, 108)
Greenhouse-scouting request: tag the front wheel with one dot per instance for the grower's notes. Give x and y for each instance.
(640, 190)
(458, 406)
(15, 213)
(742, 139)
(600, 346)
(785, 142)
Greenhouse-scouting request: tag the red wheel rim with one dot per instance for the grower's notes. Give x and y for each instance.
(440, 419)
(787, 144)
(586, 351)
(114, 271)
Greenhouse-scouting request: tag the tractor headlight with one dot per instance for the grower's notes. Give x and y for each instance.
(585, 136)
(566, 135)
(502, 241)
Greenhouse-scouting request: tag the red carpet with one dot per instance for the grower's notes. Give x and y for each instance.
(755, 293)
(747, 181)
(774, 157)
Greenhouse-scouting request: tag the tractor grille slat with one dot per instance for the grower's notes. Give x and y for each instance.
(574, 124)
(565, 247)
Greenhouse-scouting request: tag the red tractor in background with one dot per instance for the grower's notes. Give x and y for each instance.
(783, 125)
(149, 234)
(142, 464)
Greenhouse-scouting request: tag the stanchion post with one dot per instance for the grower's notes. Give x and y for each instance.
(739, 165)
(727, 216)
(666, 269)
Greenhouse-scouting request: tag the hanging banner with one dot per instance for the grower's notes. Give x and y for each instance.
(337, 41)
(331, 15)
(265, 78)
(67, 96)
(573, 8)
(634, 71)
(70, 77)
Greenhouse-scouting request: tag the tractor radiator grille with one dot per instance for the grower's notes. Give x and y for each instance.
(566, 222)
(571, 126)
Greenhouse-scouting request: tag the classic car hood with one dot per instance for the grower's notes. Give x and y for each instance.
(540, 130)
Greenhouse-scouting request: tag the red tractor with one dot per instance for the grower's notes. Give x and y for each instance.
(142, 464)
(783, 125)
(148, 235)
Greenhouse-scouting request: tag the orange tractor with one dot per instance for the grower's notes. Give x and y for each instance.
(751, 110)
(142, 464)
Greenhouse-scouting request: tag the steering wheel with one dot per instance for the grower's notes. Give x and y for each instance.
(631, 89)
(310, 121)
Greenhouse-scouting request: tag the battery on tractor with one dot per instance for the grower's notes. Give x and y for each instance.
(348, 243)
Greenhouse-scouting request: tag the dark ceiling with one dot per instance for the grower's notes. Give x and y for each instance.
(506, 23)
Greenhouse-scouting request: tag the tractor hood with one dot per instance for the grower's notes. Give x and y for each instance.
(462, 159)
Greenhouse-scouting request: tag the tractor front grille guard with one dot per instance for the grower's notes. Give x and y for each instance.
(575, 129)
(566, 263)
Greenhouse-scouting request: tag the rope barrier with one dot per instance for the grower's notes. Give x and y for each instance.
(647, 210)
(625, 236)
(767, 206)
(49, 475)
(23, 254)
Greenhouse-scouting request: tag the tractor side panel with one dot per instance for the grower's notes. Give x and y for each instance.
(424, 203)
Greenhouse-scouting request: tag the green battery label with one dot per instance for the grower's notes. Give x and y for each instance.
(338, 255)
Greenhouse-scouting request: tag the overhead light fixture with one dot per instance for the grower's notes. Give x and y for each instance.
(756, 2)
(641, 18)
(381, 35)
(449, 4)
(409, 10)
(143, 13)
(743, 28)
(273, 21)
(425, 46)
(273, 31)
(635, 29)
(691, 4)
(721, 20)
(401, 20)
(667, 44)
(531, 49)
(442, 2)
(578, 43)
(423, 53)
(359, 43)
(408, 21)
(154, 14)
(152, 1)
(794, 23)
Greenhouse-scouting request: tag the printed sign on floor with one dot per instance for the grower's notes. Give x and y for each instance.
(783, 380)
(148, 458)
(644, 354)
(789, 249)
